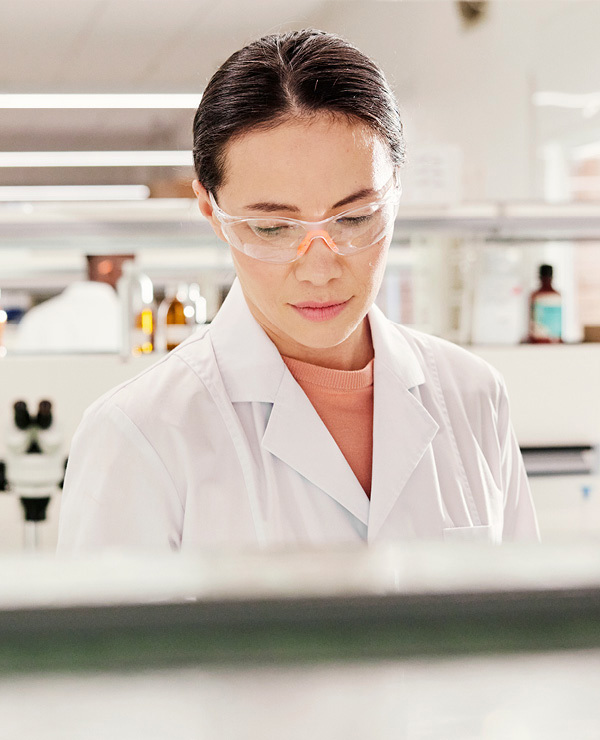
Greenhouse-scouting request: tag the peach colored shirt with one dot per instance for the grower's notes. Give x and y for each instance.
(344, 401)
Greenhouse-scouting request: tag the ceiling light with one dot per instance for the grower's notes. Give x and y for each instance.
(73, 192)
(587, 151)
(133, 158)
(100, 100)
(587, 103)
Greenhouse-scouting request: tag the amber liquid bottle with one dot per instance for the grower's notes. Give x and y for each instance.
(176, 322)
(545, 311)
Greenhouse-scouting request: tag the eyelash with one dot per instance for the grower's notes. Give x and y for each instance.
(354, 219)
(269, 230)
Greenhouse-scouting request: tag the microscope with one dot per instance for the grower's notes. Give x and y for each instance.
(34, 464)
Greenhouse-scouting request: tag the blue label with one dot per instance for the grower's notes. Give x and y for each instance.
(548, 321)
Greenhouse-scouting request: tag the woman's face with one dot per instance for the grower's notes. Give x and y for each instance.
(308, 169)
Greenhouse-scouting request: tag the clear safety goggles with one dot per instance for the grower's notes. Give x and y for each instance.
(283, 240)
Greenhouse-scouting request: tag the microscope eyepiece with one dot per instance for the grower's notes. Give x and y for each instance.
(44, 415)
(22, 418)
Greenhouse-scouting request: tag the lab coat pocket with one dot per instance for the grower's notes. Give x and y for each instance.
(479, 533)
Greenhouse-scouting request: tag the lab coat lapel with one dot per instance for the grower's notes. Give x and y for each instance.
(249, 363)
(297, 436)
(402, 427)
(253, 371)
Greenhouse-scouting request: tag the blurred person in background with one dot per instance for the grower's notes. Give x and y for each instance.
(85, 317)
(301, 416)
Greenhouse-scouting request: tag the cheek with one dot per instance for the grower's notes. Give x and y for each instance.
(372, 268)
(261, 281)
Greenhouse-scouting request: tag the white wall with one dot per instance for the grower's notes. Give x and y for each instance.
(472, 87)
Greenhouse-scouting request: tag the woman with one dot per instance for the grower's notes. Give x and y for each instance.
(301, 416)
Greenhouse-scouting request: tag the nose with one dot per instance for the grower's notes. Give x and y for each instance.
(318, 263)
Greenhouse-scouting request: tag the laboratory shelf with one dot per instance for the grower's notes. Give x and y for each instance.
(510, 221)
(43, 245)
(46, 225)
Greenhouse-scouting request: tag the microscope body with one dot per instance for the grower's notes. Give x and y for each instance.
(34, 463)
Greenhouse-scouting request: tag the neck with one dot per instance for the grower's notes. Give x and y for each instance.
(354, 353)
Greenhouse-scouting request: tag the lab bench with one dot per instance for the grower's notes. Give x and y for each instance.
(413, 642)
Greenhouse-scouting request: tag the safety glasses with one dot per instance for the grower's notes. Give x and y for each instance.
(284, 240)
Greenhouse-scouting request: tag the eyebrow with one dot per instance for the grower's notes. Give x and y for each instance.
(355, 196)
(270, 207)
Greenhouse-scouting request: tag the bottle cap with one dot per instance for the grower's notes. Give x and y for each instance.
(546, 271)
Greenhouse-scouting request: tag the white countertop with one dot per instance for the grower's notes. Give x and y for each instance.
(420, 568)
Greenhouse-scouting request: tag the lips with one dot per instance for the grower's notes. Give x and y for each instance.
(319, 310)
(318, 304)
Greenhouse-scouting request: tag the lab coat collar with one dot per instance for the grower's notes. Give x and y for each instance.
(249, 362)
(393, 351)
(252, 368)
(403, 429)
(296, 435)
(253, 371)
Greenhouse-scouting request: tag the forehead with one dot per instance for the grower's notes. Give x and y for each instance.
(305, 161)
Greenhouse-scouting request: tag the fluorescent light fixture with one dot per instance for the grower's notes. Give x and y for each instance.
(131, 158)
(73, 192)
(587, 103)
(100, 100)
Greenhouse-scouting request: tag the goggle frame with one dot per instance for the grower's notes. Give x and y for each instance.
(314, 229)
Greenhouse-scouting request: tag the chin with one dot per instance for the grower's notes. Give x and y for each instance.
(323, 339)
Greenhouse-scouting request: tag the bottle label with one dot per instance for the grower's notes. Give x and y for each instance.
(547, 321)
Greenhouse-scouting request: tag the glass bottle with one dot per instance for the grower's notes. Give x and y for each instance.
(196, 303)
(175, 317)
(545, 311)
(144, 326)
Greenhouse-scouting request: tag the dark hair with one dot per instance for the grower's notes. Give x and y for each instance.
(292, 74)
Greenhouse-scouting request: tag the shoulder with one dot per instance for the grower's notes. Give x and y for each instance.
(455, 367)
(165, 389)
(42, 312)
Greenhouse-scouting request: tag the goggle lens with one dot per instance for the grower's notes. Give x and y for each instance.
(285, 240)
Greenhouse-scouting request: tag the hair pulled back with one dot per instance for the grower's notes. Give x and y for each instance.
(295, 74)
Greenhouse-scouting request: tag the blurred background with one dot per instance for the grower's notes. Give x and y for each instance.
(505, 92)
(105, 262)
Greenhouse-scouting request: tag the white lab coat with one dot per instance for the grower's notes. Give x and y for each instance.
(85, 317)
(217, 445)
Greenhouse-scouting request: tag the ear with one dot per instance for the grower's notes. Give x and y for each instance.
(206, 208)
